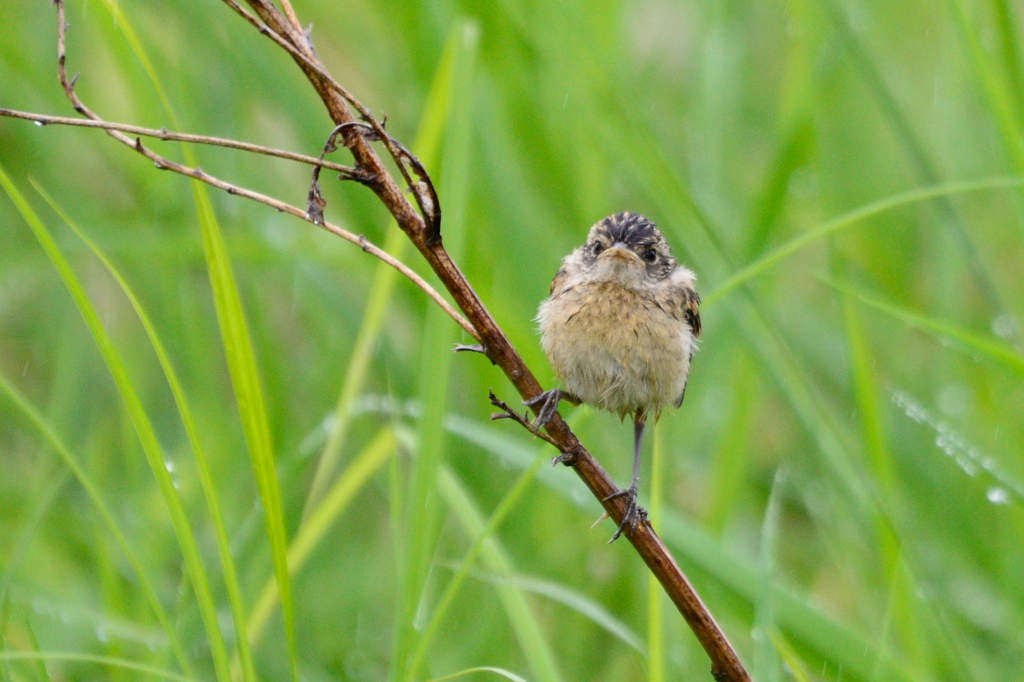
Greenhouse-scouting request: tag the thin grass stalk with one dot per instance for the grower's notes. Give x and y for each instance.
(108, 661)
(423, 507)
(239, 353)
(995, 352)
(1009, 48)
(143, 427)
(24, 539)
(230, 573)
(849, 219)
(996, 90)
(41, 672)
(332, 505)
(766, 660)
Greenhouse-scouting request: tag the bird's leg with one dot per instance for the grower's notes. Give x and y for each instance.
(634, 512)
(548, 401)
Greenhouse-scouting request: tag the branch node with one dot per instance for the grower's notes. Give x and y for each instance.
(315, 202)
(569, 459)
(508, 413)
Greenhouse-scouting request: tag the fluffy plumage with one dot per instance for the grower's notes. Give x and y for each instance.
(621, 323)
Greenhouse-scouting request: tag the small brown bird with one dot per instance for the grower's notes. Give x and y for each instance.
(620, 328)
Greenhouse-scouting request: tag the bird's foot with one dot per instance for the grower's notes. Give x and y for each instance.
(634, 512)
(548, 401)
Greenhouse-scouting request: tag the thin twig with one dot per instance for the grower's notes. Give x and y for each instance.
(311, 64)
(167, 135)
(163, 163)
(524, 421)
(292, 17)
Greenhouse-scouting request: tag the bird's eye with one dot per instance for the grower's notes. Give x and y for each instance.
(598, 248)
(650, 255)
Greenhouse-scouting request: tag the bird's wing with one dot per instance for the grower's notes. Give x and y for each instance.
(685, 305)
(559, 283)
(691, 309)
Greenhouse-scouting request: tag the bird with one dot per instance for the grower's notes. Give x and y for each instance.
(620, 328)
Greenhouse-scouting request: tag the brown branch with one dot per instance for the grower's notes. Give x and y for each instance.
(725, 663)
(521, 419)
(292, 17)
(335, 96)
(167, 135)
(164, 163)
(286, 32)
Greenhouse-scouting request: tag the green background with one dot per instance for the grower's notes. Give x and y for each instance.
(844, 483)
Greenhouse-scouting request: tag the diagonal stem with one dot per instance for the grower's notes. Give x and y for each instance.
(725, 663)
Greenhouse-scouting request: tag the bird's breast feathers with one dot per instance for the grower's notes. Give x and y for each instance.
(619, 348)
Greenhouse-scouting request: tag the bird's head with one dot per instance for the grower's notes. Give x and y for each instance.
(627, 248)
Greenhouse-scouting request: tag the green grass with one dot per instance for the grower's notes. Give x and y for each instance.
(844, 178)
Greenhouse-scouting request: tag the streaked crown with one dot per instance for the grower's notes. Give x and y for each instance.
(637, 233)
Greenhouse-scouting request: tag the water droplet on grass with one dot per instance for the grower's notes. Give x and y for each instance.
(997, 495)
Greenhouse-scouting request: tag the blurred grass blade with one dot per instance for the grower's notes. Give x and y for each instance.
(240, 357)
(422, 507)
(1000, 101)
(94, 495)
(245, 379)
(40, 665)
(469, 671)
(729, 463)
(766, 660)
(109, 661)
(974, 344)
(851, 218)
(693, 547)
(332, 505)
(580, 603)
(1009, 47)
(527, 629)
(797, 669)
(903, 606)
(143, 428)
(185, 412)
(924, 166)
(440, 610)
(655, 618)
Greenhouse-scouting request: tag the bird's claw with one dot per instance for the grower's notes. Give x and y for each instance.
(634, 512)
(548, 400)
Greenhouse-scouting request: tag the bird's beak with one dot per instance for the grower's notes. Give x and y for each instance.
(620, 250)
